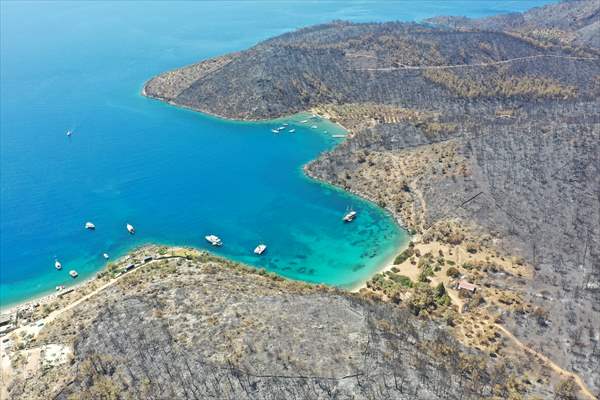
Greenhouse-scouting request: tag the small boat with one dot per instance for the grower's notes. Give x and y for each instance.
(106, 256)
(73, 274)
(314, 127)
(69, 132)
(60, 287)
(213, 240)
(130, 229)
(261, 248)
(57, 265)
(281, 128)
(349, 217)
(285, 124)
(292, 130)
(90, 226)
(274, 131)
(325, 132)
(304, 121)
(338, 136)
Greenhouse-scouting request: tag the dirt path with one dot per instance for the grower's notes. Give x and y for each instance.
(6, 370)
(419, 194)
(548, 362)
(425, 67)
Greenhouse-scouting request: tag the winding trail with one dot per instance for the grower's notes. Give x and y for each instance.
(548, 362)
(510, 60)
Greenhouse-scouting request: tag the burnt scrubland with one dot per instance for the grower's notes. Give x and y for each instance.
(481, 137)
(191, 325)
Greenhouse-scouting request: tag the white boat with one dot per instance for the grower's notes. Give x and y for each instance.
(57, 265)
(261, 248)
(213, 240)
(292, 130)
(281, 128)
(90, 226)
(130, 229)
(349, 217)
(106, 256)
(338, 136)
(274, 131)
(314, 127)
(59, 288)
(73, 273)
(304, 121)
(69, 132)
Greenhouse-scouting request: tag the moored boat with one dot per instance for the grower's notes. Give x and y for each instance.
(57, 265)
(292, 130)
(350, 216)
(261, 248)
(130, 229)
(90, 226)
(73, 274)
(213, 240)
(106, 256)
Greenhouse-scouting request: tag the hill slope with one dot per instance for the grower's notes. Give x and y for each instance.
(481, 135)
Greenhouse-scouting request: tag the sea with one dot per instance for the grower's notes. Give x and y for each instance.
(174, 174)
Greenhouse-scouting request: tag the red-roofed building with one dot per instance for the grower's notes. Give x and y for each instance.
(466, 286)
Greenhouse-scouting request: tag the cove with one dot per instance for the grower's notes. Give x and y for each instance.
(176, 175)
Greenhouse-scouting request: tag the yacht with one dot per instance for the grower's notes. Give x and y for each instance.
(130, 229)
(90, 226)
(261, 248)
(73, 273)
(106, 256)
(349, 217)
(57, 265)
(213, 240)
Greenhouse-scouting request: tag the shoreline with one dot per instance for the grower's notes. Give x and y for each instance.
(50, 295)
(385, 265)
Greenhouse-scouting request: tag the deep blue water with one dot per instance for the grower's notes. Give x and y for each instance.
(176, 175)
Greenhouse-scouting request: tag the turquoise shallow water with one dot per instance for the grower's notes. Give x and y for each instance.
(176, 175)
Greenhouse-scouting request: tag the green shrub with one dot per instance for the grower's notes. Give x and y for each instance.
(453, 272)
(402, 280)
(405, 255)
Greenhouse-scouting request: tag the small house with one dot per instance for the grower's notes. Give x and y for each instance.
(466, 287)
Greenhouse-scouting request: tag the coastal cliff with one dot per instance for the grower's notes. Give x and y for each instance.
(482, 136)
